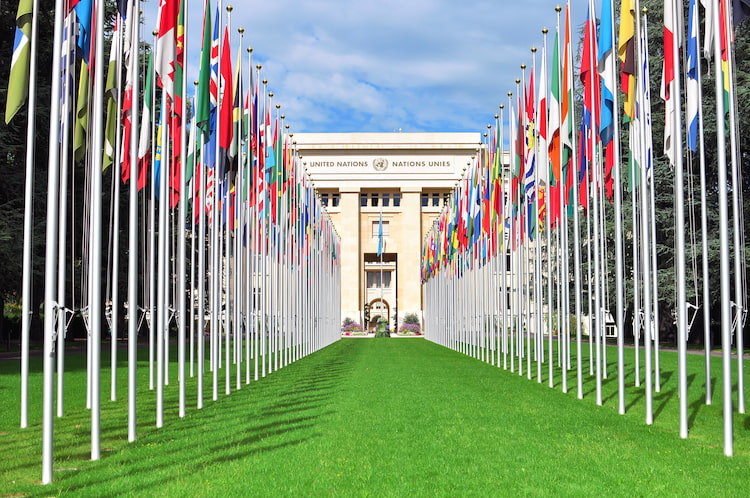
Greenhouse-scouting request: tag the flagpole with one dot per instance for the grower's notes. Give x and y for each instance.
(50, 261)
(114, 298)
(227, 232)
(502, 246)
(151, 311)
(726, 316)
(62, 228)
(548, 227)
(181, 217)
(740, 296)
(646, 172)
(95, 302)
(28, 218)
(619, 259)
(679, 223)
(132, 315)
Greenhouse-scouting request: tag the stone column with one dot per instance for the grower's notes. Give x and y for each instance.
(410, 253)
(351, 259)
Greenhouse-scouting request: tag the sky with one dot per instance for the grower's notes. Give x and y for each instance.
(385, 65)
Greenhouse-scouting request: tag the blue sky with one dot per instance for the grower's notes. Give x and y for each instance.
(387, 65)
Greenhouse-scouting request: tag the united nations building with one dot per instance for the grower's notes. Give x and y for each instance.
(403, 179)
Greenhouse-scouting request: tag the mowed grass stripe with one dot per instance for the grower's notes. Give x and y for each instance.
(384, 418)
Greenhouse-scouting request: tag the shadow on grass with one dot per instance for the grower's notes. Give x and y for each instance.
(277, 412)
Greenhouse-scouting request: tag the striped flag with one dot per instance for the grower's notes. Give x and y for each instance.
(144, 140)
(605, 67)
(693, 78)
(626, 51)
(18, 83)
(671, 100)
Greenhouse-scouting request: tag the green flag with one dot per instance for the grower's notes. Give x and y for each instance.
(110, 88)
(203, 111)
(80, 133)
(18, 83)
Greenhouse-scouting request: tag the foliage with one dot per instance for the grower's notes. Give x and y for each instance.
(663, 182)
(349, 326)
(410, 329)
(382, 329)
(411, 318)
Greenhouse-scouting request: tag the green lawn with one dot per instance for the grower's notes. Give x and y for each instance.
(391, 417)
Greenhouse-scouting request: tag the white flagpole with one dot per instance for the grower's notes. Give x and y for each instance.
(180, 295)
(679, 222)
(619, 259)
(704, 219)
(151, 306)
(50, 261)
(644, 160)
(95, 302)
(62, 227)
(726, 315)
(227, 233)
(114, 303)
(133, 235)
(28, 216)
(201, 247)
(740, 296)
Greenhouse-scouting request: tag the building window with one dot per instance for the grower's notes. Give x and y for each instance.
(376, 228)
(436, 199)
(425, 200)
(374, 281)
(363, 200)
(397, 199)
(386, 199)
(374, 199)
(335, 200)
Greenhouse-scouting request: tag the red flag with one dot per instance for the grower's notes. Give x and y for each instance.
(227, 99)
(166, 44)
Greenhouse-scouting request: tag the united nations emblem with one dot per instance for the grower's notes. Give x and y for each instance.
(380, 164)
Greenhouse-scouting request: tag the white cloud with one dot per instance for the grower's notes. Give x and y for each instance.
(418, 65)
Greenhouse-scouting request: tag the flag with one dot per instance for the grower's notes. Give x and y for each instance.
(554, 112)
(236, 109)
(566, 111)
(166, 45)
(226, 102)
(177, 119)
(626, 52)
(80, 133)
(693, 77)
(380, 235)
(112, 92)
(84, 11)
(606, 69)
(544, 167)
(18, 82)
(144, 140)
(130, 50)
(203, 109)
(671, 100)
(708, 28)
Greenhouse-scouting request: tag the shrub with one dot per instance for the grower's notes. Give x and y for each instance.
(349, 326)
(411, 318)
(410, 328)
